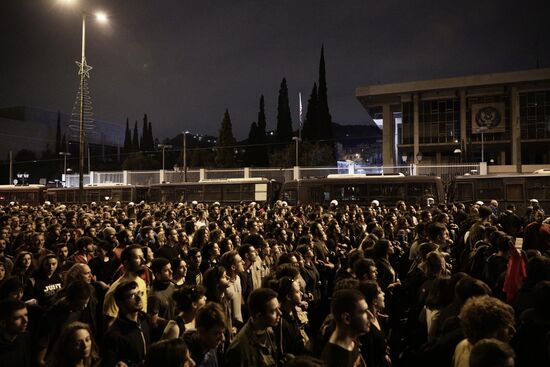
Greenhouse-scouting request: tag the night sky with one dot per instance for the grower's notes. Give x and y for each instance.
(184, 62)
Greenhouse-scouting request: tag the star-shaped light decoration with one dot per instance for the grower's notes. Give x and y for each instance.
(84, 68)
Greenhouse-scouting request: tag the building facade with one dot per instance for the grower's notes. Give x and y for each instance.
(501, 119)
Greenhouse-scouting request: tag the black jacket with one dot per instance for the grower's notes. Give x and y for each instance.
(127, 341)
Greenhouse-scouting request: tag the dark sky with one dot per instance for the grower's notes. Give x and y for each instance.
(183, 62)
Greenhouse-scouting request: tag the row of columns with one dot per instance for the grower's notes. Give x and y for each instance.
(388, 133)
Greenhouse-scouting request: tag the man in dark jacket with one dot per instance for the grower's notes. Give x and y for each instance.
(15, 343)
(128, 339)
(255, 345)
(204, 343)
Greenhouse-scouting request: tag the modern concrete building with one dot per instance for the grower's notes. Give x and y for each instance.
(501, 118)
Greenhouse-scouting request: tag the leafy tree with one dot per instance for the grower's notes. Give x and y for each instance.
(284, 118)
(139, 161)
(225, 156)
(283, 156)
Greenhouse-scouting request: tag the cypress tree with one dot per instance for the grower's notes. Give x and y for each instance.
(135, 139)
(262, 156)
(324, 124)
(143, 141)
(252, 148)
(150, 138)
(225, 156)
(58, 146)
(284, 118)
(310, 129)
(127, 138)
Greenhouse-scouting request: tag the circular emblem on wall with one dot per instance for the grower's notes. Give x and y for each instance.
(489, 117)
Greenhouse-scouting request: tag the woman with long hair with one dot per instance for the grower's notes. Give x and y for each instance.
(216, 282)
(75, 347)
(200, 237)
(375, 350)
(23, 266)
(179, 268)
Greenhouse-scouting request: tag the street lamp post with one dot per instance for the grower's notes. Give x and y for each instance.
(297, 140)
(482, 130)
(163, 147)
(84, 72)
(64, 154)
(184, 155)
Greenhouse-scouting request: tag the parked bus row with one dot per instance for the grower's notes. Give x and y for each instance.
(346, 189)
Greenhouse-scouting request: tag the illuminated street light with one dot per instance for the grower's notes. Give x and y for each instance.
(83, 72)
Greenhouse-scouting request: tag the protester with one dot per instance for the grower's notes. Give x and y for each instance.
(424, 275)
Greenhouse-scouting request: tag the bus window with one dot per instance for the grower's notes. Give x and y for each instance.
(489, 189)
(514, 192)
(316, 195)
(194, 193)
(231, 193)
(376, 191)
(465, 192)
(247, 191)
(289, 196)
(395, 192)
(538, 189)
(346, 192)
(212, 193)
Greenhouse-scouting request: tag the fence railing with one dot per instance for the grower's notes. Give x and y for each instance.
(446, 172)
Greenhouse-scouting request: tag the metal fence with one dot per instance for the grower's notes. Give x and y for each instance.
(446, 172)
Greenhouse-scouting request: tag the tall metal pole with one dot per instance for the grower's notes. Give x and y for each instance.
(482, 148)
(163, 147)
(82, 76)
(185, 156)
(11, 168)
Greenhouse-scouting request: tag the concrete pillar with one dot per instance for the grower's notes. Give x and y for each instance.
(246, 172)
(416, 127)
(515, 128)
(296, 173)
(483, 168)
(125, 177)
(463, 129)
(503, 157)
(388, 138)
(161, 176)
(202, 174)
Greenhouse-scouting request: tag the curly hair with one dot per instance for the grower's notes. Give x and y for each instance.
(485, 317)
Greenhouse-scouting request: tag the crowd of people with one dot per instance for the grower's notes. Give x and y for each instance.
(185, 284)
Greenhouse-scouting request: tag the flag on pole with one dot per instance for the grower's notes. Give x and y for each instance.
(300, 98)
